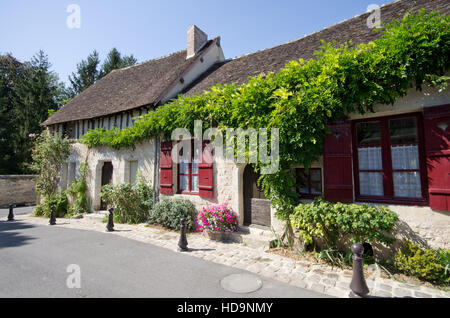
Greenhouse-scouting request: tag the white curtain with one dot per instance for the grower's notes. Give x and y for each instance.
(370, 158)
(407, 184)
(405, 157)
(371, 183)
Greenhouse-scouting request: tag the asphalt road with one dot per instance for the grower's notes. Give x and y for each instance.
(17, 211)
(34, 261)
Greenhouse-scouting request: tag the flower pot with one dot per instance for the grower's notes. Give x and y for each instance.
(216, 236)
(219, 236)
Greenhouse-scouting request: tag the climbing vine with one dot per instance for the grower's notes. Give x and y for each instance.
(304, 96)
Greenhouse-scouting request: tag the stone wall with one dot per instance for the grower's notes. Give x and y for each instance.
(19, 190)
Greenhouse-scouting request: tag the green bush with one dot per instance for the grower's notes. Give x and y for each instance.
(426, 264)
(78, 191)
(332, 222)
(131, 202)
(168, 213)
(58, 200)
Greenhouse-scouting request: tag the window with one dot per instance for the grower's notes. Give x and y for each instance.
(188, 172)
(309, 184)
(388, 159)
(133, 171)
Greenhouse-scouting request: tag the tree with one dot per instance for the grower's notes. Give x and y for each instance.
(87, 74)
(89, 70)
(115, 61)
(27, 92)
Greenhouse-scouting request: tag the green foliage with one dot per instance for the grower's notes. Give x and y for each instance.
(27, 91)
(114, 61)
(89, 71)
(169, 212)
(332, 222)
(426, 264)
(59, 201)
(49, 153)
(78, 191)
(131, 202)
(304, 96)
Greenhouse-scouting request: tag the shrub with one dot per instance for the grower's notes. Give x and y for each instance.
(217, 218)
(426, 264)
(331, 222)
(169, 212)
(132, 202)
(58, 200)
(78, 191)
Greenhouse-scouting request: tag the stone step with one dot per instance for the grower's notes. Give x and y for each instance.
(253, 236)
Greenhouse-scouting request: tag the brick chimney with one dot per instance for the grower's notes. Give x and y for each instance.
(196, 38)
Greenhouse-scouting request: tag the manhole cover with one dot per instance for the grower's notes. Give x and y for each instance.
(241, 283)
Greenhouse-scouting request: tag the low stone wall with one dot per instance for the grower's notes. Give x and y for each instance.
(19, 190)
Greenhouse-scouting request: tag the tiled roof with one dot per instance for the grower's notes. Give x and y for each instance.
(127, 88)
(272, 60)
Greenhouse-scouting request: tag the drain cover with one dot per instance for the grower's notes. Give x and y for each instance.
(241, 283)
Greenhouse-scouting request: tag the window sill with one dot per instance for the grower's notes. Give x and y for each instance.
(396, 201)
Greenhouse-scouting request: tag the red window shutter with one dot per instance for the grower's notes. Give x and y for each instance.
(205, 173)
(437, 145)
(338, 176)
(166, 181)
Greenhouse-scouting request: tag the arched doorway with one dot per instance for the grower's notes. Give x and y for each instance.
(256, 206)
(107, 173)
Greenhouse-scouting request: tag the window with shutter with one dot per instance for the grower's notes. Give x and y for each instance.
(166, 182)
(437, 144)
(337, 162)
(389, 164)
(205, 172)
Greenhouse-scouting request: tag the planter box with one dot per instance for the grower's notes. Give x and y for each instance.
(220, 236)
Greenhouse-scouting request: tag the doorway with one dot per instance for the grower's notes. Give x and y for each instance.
(107, 173)
(256, 205)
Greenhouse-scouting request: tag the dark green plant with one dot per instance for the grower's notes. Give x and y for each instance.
(132, 202)
(49, 153)
(59, 201)
(331, 222)
(424, 263)
(169, 212)
(78, 191)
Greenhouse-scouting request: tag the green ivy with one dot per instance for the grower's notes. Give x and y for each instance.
(304, 96)
(78, 190)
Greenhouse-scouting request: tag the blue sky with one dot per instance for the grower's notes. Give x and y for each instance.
(153, 28)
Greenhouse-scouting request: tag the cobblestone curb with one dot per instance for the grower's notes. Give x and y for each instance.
(316, 277)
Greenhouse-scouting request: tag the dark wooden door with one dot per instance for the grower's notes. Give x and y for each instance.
(256, 206)
(107, 173)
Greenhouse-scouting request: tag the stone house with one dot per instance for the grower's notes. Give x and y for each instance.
(398, 156)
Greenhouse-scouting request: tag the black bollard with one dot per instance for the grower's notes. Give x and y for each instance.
(183, 243)
(11, 213)
(358, 285)
(110, 225)
(52, 215)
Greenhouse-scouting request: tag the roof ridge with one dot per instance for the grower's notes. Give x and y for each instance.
(312, 33)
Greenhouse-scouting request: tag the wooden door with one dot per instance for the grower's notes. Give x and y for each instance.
(107, 173)
(256, 206)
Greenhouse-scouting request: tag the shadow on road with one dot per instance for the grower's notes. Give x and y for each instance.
(9, 238)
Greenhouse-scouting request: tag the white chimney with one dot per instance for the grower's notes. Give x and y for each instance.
(196, 39)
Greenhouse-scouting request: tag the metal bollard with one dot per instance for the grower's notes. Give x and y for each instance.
(110, 225)
(11, 213)
(183, 243)
(358, 285)
(52, 215)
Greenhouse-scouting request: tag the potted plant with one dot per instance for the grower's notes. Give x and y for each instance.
(217, 221)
